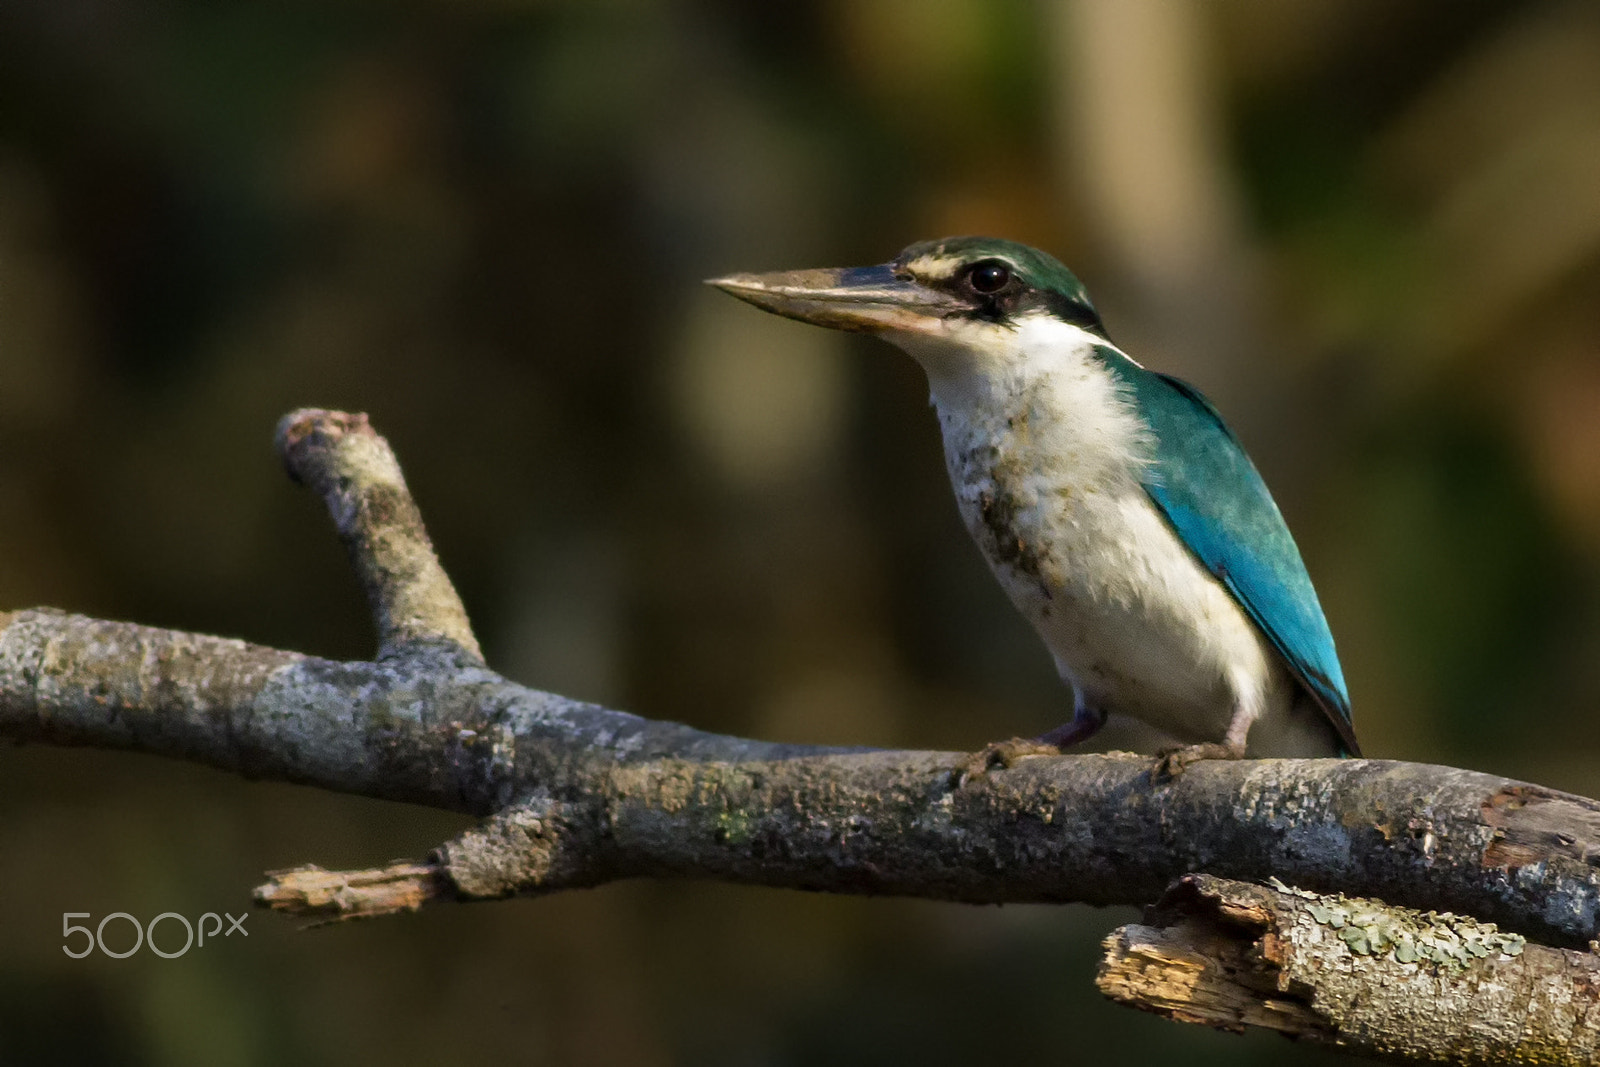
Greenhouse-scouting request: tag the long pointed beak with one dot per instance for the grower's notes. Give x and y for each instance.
(864, 299)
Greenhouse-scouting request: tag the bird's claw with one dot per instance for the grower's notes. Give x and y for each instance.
(1174, 761)
(1002, 754)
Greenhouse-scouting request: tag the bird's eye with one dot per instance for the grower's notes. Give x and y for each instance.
(988, 277)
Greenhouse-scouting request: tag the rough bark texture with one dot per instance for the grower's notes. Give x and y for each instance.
(1386, 982)
(573, 794)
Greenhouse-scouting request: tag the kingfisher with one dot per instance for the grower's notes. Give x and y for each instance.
(1116, 508)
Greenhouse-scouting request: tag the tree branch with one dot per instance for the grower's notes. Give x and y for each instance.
(342, 458)
(577, 794)
(573, 794)
(1386, 982)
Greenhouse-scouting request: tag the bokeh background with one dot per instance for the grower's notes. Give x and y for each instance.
(1369, 229)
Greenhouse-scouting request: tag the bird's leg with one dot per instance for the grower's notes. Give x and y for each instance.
(1174, 761)
(1085, 723)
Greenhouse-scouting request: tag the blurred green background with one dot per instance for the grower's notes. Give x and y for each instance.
(1369, 229)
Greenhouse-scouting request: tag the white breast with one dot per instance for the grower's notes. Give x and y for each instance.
(1045, 453)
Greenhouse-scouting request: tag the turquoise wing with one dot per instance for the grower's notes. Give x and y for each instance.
(1205, 484)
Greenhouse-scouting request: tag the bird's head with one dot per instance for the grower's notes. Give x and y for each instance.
(951, 296)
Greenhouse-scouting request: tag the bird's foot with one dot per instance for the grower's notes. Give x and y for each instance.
(1174, 761)
(1002, 754)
